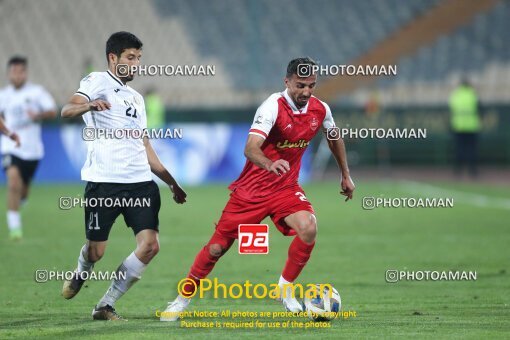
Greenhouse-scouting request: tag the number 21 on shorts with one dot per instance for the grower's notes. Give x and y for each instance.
(93, 221)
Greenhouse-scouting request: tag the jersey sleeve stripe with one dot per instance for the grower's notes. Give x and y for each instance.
(258, 132)
(83, 94)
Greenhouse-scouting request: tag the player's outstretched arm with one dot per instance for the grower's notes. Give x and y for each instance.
(12, 135)
(337, 148)
(159, 170)
(254, 153)
(78, 105)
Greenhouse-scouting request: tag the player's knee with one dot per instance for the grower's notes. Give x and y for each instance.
(14, 185)
(95, 253)
(307, 230)
(155, 248)
(150, 249)
(215, 250)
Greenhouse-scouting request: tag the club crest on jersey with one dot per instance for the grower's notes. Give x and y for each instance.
(302, 143)
(314, 124)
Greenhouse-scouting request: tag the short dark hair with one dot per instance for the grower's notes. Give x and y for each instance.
(17, 60)
(292, 68)
(120, 41)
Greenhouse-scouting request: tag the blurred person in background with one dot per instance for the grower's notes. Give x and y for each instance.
(155, 109)
(23, 106)
(88, 67)
(465, 125)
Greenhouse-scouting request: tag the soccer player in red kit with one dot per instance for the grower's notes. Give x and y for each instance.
(283, 127)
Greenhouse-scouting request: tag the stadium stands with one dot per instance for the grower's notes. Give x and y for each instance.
(255, 38)
(58, 36)
(249, 42)
(477, 50)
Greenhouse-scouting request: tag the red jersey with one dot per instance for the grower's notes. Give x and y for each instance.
(287, 132)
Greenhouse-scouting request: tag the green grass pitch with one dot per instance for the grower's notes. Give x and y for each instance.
(354, 249)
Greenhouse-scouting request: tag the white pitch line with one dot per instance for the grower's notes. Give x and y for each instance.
(477, 200)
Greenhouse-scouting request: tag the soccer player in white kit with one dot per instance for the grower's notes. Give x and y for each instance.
(23, 105)
(117, 169)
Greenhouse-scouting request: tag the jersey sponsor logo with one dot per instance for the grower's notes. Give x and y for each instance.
(253, 238)
(302, 143)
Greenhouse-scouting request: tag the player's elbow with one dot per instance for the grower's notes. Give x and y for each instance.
(333, 143)
(247, 151)
(63, 112)
(66, 112)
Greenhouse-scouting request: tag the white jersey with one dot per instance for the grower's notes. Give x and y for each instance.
(112, 160)
(15, 105)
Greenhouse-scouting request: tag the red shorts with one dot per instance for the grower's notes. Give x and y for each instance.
(278, 206)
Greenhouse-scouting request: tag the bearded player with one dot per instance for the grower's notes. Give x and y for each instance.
(283, 127)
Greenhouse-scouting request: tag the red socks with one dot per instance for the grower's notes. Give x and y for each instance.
(204, 262)
(299, 253)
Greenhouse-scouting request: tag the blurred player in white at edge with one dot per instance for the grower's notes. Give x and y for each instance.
(23, 107)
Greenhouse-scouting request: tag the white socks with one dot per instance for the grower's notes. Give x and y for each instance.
(13, 219)
(83, 263)
(287, 294)
(133, 269)
(183, 300)
(288, 297)
(282, 281)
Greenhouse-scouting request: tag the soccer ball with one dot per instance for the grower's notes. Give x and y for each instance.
(322, 302)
